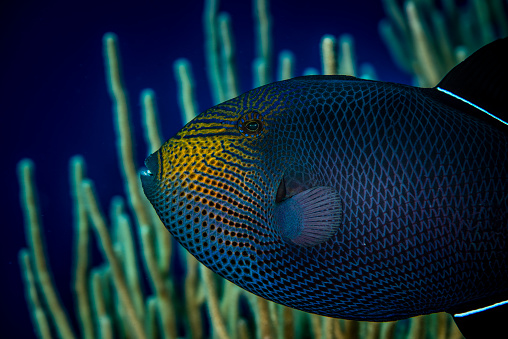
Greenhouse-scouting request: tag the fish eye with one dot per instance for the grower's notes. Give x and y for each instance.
(250, 124)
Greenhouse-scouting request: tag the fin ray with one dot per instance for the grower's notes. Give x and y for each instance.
(472, 104)
(486, 322)
(310, 217)
(482, 80)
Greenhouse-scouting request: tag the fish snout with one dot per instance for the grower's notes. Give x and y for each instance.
(150, 176)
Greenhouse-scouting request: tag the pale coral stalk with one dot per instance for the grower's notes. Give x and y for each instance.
(39, 318)
(36, 244)
(328, 55)
(81, 244)
(108, 251)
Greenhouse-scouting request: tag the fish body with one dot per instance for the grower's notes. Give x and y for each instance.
(345, 197)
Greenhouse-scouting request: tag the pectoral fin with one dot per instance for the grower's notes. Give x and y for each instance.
(310, 217)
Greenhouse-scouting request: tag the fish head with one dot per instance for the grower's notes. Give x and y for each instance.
(215, 185)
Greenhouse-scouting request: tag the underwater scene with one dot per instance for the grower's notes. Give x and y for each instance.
(90, 90)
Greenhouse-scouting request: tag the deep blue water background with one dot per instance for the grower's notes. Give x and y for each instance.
(54, 102)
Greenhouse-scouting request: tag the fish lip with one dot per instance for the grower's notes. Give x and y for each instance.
(149, 175)
(145, 172)
(147, 178)
(152, 165)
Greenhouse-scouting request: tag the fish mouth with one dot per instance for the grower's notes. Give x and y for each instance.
(145, 172)
(281, 191)
(152, 164)
(147, 181)
(148, 176)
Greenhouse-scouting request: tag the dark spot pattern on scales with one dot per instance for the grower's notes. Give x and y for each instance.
(349, 198)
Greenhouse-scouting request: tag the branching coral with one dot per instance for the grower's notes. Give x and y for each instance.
(428, 38)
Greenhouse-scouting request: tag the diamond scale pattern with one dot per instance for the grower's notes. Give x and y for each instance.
(410, 171)
(424, 189)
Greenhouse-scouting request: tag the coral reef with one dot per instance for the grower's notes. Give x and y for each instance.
(428, 38)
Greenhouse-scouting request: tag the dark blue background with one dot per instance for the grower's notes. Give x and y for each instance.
(54, 101)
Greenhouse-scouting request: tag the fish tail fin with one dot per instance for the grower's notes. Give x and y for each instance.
(481, 81)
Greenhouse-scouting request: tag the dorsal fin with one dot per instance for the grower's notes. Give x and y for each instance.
(482, 80)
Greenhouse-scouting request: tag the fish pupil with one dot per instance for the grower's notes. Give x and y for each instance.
(253, 125)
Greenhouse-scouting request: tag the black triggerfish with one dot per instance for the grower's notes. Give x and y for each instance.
(352, 198)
